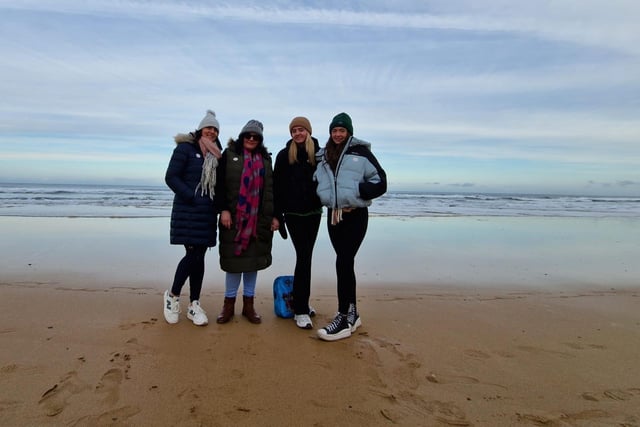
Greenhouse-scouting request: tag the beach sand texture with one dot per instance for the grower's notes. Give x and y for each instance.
(423, 357)
(82, 347)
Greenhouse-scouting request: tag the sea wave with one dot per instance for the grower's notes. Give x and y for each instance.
(49, 200)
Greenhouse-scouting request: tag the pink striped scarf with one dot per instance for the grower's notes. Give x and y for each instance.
(251, 184)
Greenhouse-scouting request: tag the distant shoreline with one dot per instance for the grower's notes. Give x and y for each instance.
(59, 200)
(391, 190)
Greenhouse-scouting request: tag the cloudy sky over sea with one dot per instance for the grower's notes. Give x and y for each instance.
(481, 96)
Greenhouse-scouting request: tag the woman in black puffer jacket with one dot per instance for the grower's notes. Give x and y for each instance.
(191, 175)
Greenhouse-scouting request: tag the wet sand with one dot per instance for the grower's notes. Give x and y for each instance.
(474, 322)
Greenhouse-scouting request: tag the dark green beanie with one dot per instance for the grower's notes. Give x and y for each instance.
(342, 120)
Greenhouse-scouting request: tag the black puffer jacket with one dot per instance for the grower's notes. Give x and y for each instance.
(193, 217)
(293, 184)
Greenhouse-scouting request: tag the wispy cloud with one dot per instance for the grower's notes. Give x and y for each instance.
(543, 82)
(575, 21)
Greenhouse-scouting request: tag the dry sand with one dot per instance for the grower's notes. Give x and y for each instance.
(424, 357)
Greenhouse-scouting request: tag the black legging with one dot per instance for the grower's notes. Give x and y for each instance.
(190, 266)
(346, 237)
(303, 231)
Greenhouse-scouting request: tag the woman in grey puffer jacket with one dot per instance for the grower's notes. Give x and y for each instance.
(191, 175)
(349, 177)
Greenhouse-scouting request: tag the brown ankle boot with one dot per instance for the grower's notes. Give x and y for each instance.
(248, 311)
(227, 310)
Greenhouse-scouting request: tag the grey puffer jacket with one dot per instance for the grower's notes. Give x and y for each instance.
(357, 180)
(193, 215)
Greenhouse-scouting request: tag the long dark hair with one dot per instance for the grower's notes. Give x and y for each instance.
(332, 152)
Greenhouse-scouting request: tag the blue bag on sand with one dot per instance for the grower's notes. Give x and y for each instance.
(283, 296)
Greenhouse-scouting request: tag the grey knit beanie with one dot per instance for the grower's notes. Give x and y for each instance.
(252, 126)
(209, 120)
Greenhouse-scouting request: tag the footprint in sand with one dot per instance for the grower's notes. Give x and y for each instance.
(613, 394)
(451, 379)
(539, 350)
(582, 346)
(122, 360)
(54, 400)
(565, 418)
(477, 354)
(8, 369)
(458, 379)
(447, 413)
(109, 386)
(402, 400)
(112, 417)
(145, 324)
(435, 412)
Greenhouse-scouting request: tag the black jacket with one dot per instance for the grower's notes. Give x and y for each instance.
(293, 185)
(193, 216)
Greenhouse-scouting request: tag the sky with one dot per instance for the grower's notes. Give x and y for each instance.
(454, 96)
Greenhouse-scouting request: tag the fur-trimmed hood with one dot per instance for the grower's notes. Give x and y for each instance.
(185, 137)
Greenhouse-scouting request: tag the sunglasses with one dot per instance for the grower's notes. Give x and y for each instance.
(253, 136)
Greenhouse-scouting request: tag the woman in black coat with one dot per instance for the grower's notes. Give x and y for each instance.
(297, 203)
(191, 175)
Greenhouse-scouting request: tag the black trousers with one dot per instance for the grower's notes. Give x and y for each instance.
(304, 232)
(190, 266)
(346, 238)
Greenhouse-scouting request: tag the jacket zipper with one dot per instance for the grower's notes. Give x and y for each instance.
(335, 175)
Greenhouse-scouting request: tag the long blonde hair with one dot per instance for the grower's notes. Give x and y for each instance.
(310, 148)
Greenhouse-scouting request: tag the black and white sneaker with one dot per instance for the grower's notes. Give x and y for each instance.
(338, 329)
(353, 318)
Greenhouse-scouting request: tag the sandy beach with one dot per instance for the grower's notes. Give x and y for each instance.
(455, 340)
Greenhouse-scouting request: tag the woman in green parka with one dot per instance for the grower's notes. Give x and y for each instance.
(244, 198)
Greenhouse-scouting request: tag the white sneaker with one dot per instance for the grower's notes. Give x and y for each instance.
(303, 321)
(171, 308)
(312, 311)
(197, 314)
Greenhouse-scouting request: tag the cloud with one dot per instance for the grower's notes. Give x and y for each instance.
(469, 82)
(576, 21)
(621, 184)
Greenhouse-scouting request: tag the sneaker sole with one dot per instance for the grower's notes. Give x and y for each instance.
(171, 321)
(190, 317)
(345, 333)
(356, 325)
(307, 326)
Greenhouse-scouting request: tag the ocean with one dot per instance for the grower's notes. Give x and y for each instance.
(135, 201)
(89, 235)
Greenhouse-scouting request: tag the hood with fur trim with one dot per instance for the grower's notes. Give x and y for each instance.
(185, 137)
